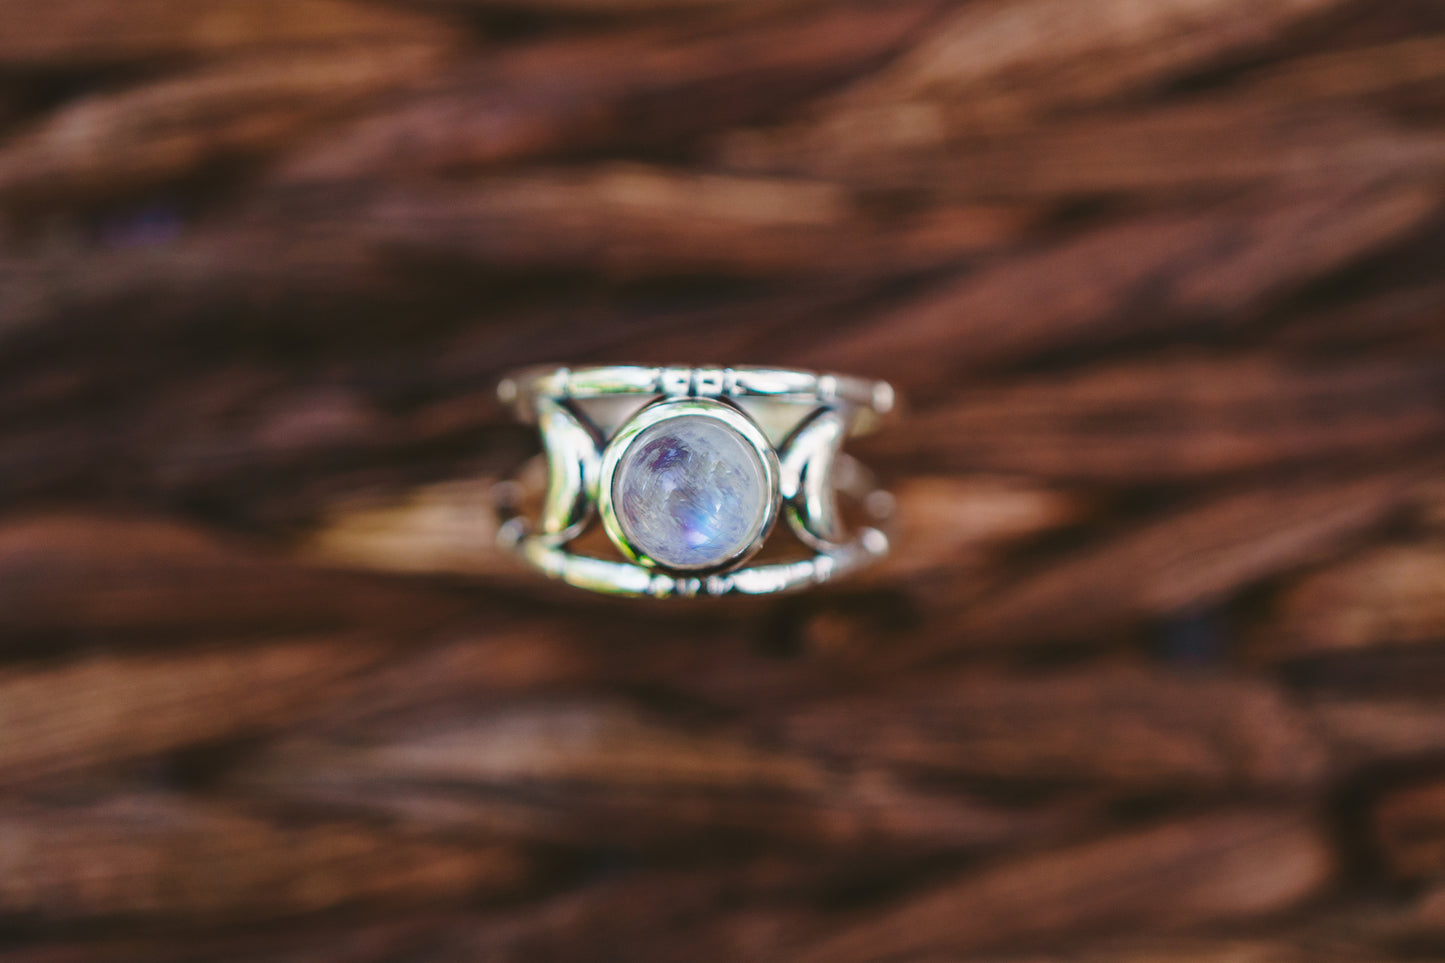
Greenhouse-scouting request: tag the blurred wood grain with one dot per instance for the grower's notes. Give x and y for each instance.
(1156, 672)
(78, 33)
(142, 856)
(1158, 877)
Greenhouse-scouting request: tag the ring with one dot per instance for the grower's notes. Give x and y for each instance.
(687, 470)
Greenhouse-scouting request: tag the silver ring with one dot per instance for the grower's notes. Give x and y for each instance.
(687, 470)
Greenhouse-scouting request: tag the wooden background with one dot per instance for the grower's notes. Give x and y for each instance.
(1157, 674)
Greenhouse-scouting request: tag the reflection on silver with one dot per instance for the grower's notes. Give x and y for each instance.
(570, 444)
(763, 439)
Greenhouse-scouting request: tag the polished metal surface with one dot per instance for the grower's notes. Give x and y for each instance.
(795, 421)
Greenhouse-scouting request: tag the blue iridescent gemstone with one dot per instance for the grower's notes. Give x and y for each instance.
(691, 492)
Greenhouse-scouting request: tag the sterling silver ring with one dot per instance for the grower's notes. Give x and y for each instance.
(687, 469)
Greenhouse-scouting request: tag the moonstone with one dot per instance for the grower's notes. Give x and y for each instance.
(691, 492)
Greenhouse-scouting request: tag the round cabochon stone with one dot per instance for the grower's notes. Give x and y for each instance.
(691, 492)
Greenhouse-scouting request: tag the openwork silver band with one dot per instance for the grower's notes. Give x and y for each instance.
(622, 444)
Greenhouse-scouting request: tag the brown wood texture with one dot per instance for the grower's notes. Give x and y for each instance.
(1156, 673)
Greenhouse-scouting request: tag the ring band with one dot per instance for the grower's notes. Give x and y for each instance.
(688, 469)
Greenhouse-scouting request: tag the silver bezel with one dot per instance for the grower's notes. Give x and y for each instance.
(666, 409)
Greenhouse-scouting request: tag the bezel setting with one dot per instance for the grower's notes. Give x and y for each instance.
(661, 412)
(793, 420)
